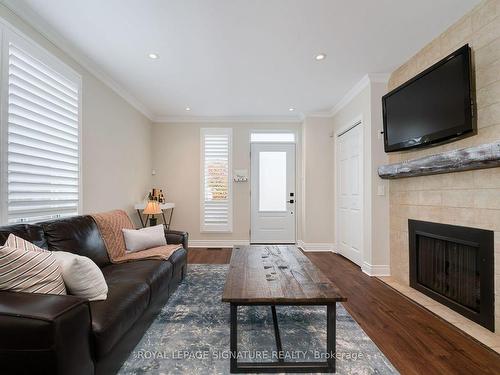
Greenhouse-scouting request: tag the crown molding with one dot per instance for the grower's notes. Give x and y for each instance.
(352, 93)
(379, 77)
(320, 114)
(226, 119)
(20, 9)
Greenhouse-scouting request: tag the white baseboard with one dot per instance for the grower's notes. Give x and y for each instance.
(307, 246)
(217, 243)
(230, 243)
(376, 269)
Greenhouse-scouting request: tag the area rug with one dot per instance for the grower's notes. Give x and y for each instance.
(191, 334)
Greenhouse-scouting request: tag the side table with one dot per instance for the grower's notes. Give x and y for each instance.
(164, 207)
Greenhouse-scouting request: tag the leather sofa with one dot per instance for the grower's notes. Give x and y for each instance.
(53, 334)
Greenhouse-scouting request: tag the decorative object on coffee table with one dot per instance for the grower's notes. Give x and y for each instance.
(152, 208)
(271, 275)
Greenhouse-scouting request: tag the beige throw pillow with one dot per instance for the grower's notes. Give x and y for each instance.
(82, 276)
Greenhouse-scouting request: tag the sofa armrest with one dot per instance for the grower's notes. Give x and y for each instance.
(45, 334)
(177, 237)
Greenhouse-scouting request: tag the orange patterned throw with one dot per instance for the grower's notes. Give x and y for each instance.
(110, 225)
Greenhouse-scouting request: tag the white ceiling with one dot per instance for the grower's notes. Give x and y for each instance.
(242, 57)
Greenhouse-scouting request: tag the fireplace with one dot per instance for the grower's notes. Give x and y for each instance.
(454, 266)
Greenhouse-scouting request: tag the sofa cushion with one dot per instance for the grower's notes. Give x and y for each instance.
(78, 235)
(112, 318)
(29, 232)
(156, 273)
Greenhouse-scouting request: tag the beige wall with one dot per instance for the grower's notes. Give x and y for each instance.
(116, 156)
(116, 144)
(176, 159)
(317, 184)
(467, 198)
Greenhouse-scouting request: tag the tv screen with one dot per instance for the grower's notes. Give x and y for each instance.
(433, 107)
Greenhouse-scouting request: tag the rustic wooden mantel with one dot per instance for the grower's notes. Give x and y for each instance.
(465, 159)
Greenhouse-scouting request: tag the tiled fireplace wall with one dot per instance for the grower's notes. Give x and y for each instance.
(465, 198)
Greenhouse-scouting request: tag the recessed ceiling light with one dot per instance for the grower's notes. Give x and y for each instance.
(153, 56)
(320, 57)
(188, 108)
(291, 109)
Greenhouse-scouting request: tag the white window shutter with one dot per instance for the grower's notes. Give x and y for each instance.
(43, 165)
(216, 180)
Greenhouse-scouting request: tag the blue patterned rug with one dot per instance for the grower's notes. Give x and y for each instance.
(191, 334)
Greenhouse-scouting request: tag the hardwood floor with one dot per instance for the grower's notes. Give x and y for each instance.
(412, 338)
(209, 256)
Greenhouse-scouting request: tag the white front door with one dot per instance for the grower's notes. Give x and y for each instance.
(273, 193)
(350, 193)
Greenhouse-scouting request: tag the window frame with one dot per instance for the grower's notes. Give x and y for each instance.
(204, 228)
(10, 34)
(273, 132)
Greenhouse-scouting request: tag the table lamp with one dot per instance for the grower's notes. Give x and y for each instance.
(152, 208)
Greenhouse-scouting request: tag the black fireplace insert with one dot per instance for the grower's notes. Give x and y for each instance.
(454, 265)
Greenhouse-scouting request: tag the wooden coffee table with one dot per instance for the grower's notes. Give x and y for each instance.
(274, 275)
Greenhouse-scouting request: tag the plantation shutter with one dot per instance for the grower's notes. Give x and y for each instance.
(43, 140)
(216, 180)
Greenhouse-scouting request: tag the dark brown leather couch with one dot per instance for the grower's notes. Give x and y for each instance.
(51, 334)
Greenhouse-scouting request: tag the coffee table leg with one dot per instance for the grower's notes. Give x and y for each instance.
(233, 339)
(331, 315)
(280, 365)
(277, 336)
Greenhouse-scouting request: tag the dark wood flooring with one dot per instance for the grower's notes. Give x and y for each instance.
(412, 338)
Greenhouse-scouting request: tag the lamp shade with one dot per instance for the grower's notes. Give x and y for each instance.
(152, 208)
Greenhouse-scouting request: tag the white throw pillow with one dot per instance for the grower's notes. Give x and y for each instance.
(145, 238)
(82, 276)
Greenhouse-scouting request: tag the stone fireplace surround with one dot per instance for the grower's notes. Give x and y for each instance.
(470, 198)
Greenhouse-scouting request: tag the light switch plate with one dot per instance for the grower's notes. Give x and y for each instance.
(381, 190)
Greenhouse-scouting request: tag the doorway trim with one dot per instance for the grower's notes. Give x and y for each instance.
(356, 121)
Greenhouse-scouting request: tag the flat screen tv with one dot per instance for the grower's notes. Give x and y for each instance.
(435, 106)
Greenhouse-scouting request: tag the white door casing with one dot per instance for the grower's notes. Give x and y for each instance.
(273, 195)
(349, 177)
